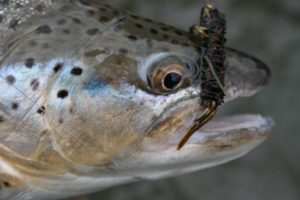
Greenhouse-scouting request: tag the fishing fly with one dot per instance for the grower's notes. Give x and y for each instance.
(209, 38)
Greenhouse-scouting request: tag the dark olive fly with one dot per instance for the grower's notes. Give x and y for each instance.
(210, 40)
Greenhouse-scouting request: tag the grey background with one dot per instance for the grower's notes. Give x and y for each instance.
(270, 30)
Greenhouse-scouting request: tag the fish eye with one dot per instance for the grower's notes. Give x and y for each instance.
(168, 75)
(172, 80)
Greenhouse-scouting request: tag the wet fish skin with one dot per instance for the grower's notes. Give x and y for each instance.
(74, 98)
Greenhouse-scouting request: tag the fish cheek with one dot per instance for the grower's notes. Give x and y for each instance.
(96, 120)
(93, 131)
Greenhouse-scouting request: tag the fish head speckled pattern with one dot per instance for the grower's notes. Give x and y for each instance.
(87, 89)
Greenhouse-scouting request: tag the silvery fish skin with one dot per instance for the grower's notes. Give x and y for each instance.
(78, 112)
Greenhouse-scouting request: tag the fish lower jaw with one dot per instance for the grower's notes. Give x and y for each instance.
(232, 131)
(219, 141)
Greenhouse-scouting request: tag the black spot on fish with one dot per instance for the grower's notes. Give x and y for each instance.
(57, 67)
(45, 132)
(10, 79)
(116, 13)
(41, 110)
(149, 20)
(18, 5)
(14, 106)
(90, 13)
(44, 29)
(76, 20)
(178, 33)
(140, 26)
(34, 84)
(39, 7)
(166, 37)
(61, 21)
(6, 184)
(76, 71)
(29, 62)
(83, 2)
(153, 31)
(66, 31)
(132, 37)
(103, 19)
(72, 110)
(107, 6)
(1, 18)
(4, 2)
(1, 119)
(60, 121)
(62, 94)
(123, 51)
(32, 43)
(134, 17)
(92, 31)
(13, 24)
(102, 9)
(164, 28)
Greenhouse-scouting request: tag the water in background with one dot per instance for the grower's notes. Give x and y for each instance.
(270, 30)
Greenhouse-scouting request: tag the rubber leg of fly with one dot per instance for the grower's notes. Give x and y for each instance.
(208, 114)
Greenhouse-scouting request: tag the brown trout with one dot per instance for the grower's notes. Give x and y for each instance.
(92, 97)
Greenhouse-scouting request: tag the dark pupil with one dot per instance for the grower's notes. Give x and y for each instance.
(172, 80)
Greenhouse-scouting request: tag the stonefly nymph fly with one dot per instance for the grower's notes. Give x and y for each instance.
(210, 40)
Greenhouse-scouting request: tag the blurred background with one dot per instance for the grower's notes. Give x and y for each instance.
(270, 30)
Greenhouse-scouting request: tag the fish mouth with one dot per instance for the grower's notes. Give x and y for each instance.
(221, 140)
(232, 131)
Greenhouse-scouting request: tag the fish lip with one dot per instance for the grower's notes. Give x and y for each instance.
(239, 130)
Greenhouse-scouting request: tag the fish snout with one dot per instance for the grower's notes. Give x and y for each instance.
(245, 75)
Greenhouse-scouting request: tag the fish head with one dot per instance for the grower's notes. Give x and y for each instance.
(121, 90)
(139, 93)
